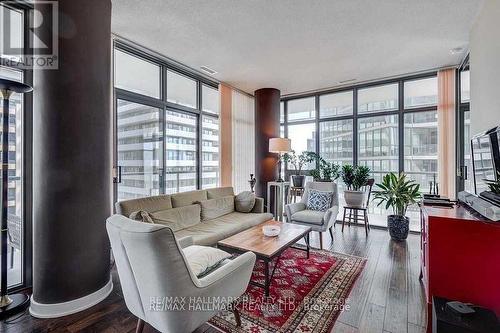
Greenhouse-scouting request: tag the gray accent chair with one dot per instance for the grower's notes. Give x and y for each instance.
(318, 221)
(151, 266)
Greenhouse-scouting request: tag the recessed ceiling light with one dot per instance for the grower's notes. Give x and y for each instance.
(347, 81)
(457, 50)
(208, 70)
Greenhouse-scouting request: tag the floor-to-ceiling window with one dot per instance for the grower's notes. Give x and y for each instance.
(167, 126)
(387, 126)
(15, 18)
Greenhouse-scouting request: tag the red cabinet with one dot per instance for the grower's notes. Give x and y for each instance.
(460, 256)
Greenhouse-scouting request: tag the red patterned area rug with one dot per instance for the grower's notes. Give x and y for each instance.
(306, 295)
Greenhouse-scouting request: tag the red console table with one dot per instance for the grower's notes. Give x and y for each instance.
(460, 254)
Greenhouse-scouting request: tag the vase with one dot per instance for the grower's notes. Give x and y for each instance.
(398, 227)
(354, 198)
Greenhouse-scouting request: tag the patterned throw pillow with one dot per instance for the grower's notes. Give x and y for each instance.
(319, 200)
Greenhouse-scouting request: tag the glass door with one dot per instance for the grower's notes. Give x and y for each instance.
(139, 147)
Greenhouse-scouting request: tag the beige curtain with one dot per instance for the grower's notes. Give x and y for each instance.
(226, 169)
(446, 132)
(243, 140)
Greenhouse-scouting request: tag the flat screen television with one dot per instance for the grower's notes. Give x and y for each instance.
(485, 149)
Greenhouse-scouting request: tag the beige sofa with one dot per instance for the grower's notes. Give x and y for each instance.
(195, 214)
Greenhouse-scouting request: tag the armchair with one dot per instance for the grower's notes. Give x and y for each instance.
(318, 221)
(154, 275)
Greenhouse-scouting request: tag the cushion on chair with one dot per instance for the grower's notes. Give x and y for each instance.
(214, 208)
(202, 259)
(244, 202)
(178, 218)
(309, 216)
(319, 200)
(188, 198)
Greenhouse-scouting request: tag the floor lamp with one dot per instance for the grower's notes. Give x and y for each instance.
(9, 304)
(279, 146)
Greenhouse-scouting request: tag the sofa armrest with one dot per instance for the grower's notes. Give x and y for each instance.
(185, 241)
(291, 209)
(259, 205)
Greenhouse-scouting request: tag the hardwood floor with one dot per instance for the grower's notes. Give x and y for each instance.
(387, 297)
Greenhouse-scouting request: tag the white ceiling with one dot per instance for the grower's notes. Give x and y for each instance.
(300, 45)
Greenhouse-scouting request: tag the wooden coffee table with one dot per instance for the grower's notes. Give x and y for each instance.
(266, 248)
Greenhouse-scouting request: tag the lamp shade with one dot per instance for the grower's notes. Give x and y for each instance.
(14, 86)
(279, 145)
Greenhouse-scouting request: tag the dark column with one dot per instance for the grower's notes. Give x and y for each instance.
(267, 125)
(72, 163)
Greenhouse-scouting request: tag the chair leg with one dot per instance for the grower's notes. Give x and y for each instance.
(331, 233)
(350, 216)
(343, 220)
(237, 316)
(320, 240)
(140, 326)
(366, 222)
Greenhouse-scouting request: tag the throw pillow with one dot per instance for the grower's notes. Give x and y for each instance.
(244, 202)
(178, 218)
(142, 216)
(319, 200)
(201, 259)
(214, 208)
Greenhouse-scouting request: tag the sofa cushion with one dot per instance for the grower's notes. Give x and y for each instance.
(202, 259)
(244, 202)
(219, 192)
(188, 198)
(148, 204)
(178, 218)
(211, 231)
(309, 216)
(213, 208)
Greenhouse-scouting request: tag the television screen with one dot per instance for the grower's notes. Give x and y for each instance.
(486, 158)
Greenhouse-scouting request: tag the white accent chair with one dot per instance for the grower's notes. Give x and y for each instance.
(318, 221)
(152, 267)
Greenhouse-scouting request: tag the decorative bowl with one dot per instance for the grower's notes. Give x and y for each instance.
(271, 230)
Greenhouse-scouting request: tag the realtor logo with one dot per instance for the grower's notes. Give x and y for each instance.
(40, 50)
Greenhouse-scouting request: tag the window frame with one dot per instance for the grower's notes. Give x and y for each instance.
(461, 109)
(164, 105)
(27, 210)
(355, 116)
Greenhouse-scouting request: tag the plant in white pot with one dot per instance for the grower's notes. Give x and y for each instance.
(354, 179)
(397, 193)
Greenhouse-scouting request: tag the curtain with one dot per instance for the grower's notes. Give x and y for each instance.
(446, 132)
(243, 140)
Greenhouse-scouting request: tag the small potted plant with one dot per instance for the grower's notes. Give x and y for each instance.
(298, 162)
(354, 179)
(397, 193)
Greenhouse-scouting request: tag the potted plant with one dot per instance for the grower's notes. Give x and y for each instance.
(298, 161)
(398, 193)
(354, 178)
(325, 171)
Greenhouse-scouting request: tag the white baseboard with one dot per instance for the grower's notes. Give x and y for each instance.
(56, 310)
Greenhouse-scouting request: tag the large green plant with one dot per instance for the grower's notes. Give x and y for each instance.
(397, 192)
(325, 171)
(355, 177)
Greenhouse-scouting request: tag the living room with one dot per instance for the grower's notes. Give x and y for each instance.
(250, 166)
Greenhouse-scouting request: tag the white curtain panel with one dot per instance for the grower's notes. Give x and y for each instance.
(243, 135)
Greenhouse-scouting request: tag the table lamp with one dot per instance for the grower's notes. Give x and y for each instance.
(9, 304)
(279, 146)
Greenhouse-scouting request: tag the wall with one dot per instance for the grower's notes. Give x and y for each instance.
(485, 68)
